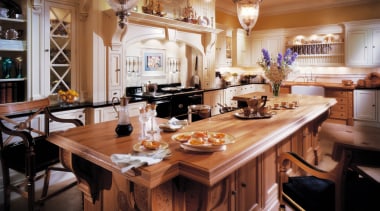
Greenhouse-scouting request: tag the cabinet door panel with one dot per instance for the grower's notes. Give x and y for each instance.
(61, 61)
(247, 183)
(365, 105)
(357, 47)
(376, 47)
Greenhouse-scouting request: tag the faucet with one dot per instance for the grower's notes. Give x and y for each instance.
(309, 78)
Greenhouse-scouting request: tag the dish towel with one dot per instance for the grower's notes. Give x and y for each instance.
(128, 161)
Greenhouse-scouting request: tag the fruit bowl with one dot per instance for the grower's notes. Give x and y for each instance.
(68, 98)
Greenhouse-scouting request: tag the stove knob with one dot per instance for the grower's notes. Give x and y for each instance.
(180, 105)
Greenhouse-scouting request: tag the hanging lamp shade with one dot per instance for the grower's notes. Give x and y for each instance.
(248, 13)
(122, 9)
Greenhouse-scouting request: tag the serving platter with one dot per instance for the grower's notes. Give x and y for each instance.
(203, 141)
(191, 148)
(241, 115)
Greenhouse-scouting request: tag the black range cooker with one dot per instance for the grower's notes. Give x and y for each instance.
(172, 100)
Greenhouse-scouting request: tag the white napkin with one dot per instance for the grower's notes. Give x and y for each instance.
(128, 161)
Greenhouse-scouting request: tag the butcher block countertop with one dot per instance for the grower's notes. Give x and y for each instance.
(97, 142)
(324, 84)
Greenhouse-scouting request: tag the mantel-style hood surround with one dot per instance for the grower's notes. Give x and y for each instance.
(144, 26)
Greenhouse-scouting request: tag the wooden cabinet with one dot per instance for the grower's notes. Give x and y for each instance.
(365, 105)
(363, 44)
(343, 110)
(212, 98)
(14, 61)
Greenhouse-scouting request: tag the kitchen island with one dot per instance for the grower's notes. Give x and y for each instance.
(242, 177)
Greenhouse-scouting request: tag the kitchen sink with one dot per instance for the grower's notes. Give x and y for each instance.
(308, 90)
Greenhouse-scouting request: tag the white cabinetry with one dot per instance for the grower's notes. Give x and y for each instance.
(363, 44)
(69, 114)
(266, 39)
(230, 92)
(241, 55)
(60, 66)
(212, 98)
(108, 113)
(365, 105)
(223, 49)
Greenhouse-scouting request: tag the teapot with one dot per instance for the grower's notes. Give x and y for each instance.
(257, 105)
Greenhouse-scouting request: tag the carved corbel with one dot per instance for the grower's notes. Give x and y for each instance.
(83, 9)
(209, 41)
(114, 34)
(37, 6)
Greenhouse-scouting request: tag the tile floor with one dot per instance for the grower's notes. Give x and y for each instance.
(68, 200)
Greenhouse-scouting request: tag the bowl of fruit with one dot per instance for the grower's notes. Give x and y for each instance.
(68, 98)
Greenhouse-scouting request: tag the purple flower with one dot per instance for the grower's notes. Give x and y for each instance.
(266, 56)
(279, 60)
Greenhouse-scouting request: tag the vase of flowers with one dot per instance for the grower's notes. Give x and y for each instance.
(276, 70)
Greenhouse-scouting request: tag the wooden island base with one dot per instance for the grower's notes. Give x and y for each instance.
(243, 177)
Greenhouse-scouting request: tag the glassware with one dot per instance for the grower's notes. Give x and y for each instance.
(124, 126)
(154, 130)
(144, 119)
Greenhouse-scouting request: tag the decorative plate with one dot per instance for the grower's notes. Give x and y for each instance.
(203, 20)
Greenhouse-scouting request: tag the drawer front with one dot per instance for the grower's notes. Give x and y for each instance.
(338, 115)
(336, 93)
(341, 101)
(339, 108)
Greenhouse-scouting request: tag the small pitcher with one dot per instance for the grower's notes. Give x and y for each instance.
(124, 126)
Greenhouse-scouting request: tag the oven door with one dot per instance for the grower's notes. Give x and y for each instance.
(163, 108)
(180, 104)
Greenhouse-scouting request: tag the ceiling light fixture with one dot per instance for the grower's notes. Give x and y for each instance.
(122, 9)
(248, 13)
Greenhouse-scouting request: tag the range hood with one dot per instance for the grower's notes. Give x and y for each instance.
(144, 26)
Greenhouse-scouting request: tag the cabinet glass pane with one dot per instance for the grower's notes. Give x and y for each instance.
(60, 49)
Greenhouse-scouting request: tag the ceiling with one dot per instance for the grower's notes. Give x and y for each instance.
(276, 7)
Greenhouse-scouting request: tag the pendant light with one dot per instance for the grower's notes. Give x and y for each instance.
(248, 13)
(122, 9)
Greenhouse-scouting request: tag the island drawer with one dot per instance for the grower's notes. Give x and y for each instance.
(338, 114)
(336, 93)
(341, 101)
(339, 108)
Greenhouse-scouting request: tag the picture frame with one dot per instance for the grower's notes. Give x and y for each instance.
(154, 61)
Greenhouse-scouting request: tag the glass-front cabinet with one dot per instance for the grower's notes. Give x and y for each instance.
(13, 51)
(60, 31)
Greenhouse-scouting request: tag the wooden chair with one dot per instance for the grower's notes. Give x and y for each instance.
(23, 148)
(306, 187)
